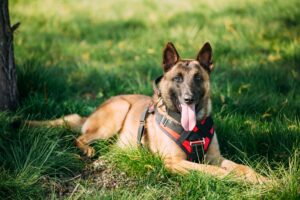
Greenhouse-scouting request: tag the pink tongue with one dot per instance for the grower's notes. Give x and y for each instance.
(188, 117)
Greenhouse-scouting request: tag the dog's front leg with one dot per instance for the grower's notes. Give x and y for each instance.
(227, 167)
(183, 166)
(214, 157)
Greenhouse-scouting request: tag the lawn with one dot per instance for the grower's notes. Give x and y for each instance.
(73, 55)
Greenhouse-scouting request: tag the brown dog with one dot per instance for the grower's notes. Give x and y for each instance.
(183, 89)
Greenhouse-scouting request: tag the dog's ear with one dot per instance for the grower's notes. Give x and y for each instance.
(170, 56)
(205, 57)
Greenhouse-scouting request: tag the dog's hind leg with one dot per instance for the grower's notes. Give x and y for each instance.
(103, 124)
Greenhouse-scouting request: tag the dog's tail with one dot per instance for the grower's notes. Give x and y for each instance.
(74, 121)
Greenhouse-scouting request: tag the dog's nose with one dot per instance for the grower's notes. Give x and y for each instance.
(189, 99)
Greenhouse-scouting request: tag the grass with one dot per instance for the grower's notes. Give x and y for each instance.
(73, 55)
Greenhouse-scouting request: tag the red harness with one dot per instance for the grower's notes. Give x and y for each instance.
(194, 143)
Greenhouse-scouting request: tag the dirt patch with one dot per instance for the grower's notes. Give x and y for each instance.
(98, 174)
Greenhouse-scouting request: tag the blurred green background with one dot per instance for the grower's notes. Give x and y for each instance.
(72, 55)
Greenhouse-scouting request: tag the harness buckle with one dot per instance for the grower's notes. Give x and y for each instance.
(197, 142)
(164, 121)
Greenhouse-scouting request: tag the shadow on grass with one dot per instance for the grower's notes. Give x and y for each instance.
(257, 111)
(241, 137)
(271, 88)
(49, 92)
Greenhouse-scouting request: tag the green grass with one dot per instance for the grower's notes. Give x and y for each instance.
(73, 55)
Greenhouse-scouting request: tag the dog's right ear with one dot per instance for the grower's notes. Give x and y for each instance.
(170, 57)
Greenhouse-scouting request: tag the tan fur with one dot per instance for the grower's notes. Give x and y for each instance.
(121, 114)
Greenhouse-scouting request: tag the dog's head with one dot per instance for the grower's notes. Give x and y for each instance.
(185, 86)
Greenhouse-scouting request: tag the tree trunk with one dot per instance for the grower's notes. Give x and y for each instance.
(8, 83)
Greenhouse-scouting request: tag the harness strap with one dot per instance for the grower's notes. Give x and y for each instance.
(141, 129)
(183, 137)
(149, 109)
(172, 130)
(161, 119)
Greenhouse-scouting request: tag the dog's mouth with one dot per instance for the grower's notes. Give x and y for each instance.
(188, 115)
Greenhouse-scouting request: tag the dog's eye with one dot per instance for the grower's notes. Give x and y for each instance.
(178, 79)
(197, 78)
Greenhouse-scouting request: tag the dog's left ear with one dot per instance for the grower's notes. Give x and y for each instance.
(205, 57)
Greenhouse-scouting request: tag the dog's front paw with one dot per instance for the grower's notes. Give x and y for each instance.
(243, 172)
(250, 175)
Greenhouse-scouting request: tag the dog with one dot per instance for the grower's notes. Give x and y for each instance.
(182, 98)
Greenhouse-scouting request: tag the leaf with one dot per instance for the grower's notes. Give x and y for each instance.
(266, 115)
(244, 87)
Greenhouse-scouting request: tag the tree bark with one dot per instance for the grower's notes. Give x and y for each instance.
(9, 94)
